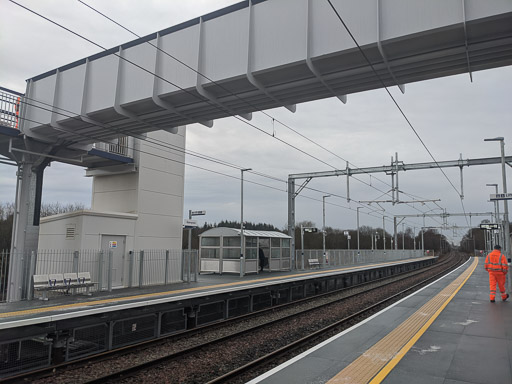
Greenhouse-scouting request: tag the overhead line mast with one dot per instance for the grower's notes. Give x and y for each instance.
(392, 169)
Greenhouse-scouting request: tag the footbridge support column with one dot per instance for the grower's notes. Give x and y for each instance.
(25, 225)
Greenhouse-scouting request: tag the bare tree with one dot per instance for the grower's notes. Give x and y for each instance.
(47, 209)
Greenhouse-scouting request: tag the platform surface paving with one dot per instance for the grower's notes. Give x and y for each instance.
(34, 311)
(462, 339)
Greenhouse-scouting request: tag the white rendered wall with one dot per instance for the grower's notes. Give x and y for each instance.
(154, 193)
(89, 226)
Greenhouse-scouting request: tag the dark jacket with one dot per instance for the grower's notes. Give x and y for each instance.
(261, 256)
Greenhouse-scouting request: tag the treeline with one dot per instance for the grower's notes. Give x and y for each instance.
(6, 219)
(47, 209)
(226, 224)
(371, 238)
(474, 239)
(336, 238)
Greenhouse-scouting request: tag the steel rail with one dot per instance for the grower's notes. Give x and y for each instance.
(136, 369)
(319, 333)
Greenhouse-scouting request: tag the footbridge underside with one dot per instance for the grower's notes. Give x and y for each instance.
(257, 55)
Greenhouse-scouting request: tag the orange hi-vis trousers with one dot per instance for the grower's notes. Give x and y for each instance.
(497, 278)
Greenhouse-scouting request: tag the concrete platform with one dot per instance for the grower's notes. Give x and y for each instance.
(61, 307)
(466, 340)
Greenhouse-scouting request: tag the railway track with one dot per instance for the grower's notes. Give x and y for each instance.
(272, 359)
(216, 348)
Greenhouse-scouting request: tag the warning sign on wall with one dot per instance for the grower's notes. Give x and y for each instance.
(112, 244)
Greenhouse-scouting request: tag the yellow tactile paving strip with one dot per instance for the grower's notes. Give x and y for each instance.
(376, 363)
(117, 300)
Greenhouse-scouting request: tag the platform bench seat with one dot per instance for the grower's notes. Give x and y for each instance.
(79, 280)
(313, 263)
(61, 282)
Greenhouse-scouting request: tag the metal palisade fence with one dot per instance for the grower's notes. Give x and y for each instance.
(339, 257)
(4, 270)
(142, 268)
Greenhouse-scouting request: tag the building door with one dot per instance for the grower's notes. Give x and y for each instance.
(116, 244)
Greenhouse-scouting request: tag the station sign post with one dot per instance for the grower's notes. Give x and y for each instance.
(506, 228)
(191, 224)
(302, 230)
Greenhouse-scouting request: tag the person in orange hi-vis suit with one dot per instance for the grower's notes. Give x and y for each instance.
(497, 266)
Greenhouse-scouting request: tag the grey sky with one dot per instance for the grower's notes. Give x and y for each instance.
(451, 115)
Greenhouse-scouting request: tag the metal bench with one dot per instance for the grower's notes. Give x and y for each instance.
(79, 280)
(61, 282)
(46, 283)
(313, 263)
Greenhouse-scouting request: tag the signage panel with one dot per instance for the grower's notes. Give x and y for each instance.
(187, 223)
(501, 196)
(489, 226)
(197, 213)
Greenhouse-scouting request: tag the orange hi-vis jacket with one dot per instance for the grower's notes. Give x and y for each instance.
(496, 262)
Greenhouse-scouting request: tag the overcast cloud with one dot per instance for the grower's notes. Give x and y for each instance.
(451, 115)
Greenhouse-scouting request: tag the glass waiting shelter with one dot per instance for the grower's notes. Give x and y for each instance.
(219, 250)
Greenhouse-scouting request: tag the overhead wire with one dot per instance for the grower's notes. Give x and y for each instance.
(239, 98)
(220, 107)
(243, 100)
(191, 165)
(163, 79)
(396, 103)
(90, 41)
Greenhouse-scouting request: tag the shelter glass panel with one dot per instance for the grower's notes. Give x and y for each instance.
(251, 241)
(251, 253)
(275, 253)
(231, 253)
(286, 243)
(276, 242)
(285, 253)
(210, 241)
(210, 253)
(231, 241)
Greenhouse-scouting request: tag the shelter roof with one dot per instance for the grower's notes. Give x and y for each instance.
(223, 231)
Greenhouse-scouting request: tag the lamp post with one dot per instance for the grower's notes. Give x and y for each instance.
(384, 233)
(505, 202)
(423, 237)
(357, 209)
(403, 238)
(497, 213)
(323, 226)
(242, 240)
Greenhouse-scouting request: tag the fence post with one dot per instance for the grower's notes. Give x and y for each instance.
(3, 275)
(182, 274)
(100, 271)
(75, 261)
(76, 255)
(31, 271)
(189, 261)
(109, 279)
(166, 266)
(131, 261)
(141, 268)
(196, 265)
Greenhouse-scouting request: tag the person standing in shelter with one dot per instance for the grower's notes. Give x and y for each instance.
(261, 256)
(497, 266)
